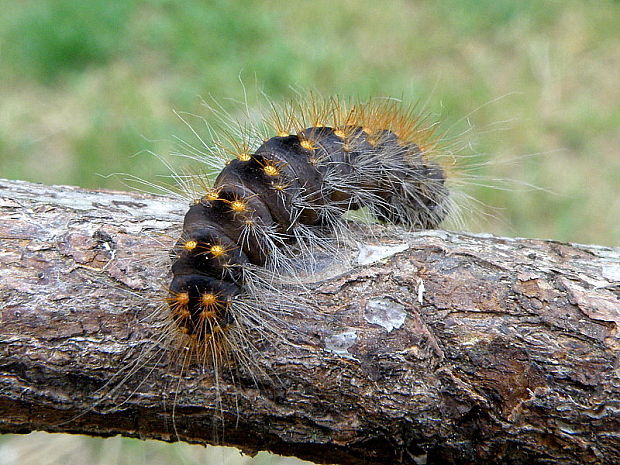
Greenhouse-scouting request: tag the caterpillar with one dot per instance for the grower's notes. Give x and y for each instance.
(275, 208)
(277, 214)
(257, 236)
(285, 201)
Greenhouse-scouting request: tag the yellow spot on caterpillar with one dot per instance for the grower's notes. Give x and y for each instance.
(184, 313)
(238, 147)
(307, 144)
(184, 329)
(282, 134)
(182, 298)
(211, 195)
(238, 206)
(271, 167)
(217, 250)
(177, 300)
(271, 170)
(208, 299)
(244, 156)
(346, 147)
(190, 245)
(340, 133)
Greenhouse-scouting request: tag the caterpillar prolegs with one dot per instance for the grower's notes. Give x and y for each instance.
(270, 206)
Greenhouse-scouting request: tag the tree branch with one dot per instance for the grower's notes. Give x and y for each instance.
(444, 348)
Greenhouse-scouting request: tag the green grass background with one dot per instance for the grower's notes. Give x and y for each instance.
(534, 85)
(86, 86)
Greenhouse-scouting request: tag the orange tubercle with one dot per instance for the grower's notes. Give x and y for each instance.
(208, 299)
(244, 156)
(307, 144)
(271, 170)
(217, 250)
(238, 206)
(211, 195)
(190, 245)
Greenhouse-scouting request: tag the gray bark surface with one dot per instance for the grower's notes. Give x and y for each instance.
(429, 347)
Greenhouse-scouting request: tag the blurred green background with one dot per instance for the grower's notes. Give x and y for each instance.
(533, 86)
(87, 86)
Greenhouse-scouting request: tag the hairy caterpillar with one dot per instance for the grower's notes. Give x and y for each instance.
(255, 239)
(274, 207)
(285, 201)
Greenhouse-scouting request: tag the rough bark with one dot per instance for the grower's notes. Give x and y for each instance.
(434, 347)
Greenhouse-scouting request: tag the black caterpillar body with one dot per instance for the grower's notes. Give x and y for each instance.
(292, 188)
